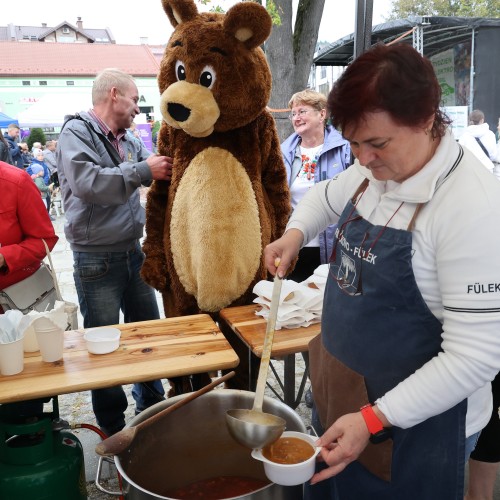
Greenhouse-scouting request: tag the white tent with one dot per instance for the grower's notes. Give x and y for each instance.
(51, 109)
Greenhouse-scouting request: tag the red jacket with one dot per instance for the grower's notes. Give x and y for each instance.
(24, 221)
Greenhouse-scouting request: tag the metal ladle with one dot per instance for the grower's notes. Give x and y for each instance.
(254, 428)
(122, 440)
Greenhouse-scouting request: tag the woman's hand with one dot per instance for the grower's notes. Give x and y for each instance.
(283, 251)
(344, 442)
(341, 444)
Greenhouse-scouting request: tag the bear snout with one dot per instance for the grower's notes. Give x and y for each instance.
(178, 112)
(190, 107)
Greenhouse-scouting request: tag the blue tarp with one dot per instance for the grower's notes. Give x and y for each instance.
(5, 120)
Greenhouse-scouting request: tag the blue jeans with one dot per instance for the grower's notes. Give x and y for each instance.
(470, 444)
(107, 282)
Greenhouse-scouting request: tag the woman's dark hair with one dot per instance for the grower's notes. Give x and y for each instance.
(391, 78)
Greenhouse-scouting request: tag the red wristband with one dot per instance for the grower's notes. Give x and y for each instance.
(373, 423)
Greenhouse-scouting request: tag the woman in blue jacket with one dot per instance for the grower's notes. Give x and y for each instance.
(314, 152)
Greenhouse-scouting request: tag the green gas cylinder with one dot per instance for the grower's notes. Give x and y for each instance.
(40, 463)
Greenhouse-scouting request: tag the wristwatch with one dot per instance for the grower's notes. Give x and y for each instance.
(378, 433)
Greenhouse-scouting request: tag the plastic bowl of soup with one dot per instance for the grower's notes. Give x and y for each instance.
(290, 460)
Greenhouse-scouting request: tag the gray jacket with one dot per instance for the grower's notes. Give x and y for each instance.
(50, 160)
(100, 191)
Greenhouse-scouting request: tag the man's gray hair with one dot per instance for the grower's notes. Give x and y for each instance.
(476, 117)
(106, 80)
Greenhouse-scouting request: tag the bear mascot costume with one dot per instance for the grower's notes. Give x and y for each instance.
(228, 196)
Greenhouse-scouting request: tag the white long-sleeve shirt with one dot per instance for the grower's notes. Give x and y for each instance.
(455, 261)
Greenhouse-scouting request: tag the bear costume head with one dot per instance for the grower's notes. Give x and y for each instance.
(228, 196)
(224, 88)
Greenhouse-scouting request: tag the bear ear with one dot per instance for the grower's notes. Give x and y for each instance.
(179, 11)
(248, 22)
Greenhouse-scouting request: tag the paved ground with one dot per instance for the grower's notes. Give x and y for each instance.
(76, 408)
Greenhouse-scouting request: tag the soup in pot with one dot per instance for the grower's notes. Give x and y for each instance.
(288, 450)
(218, 488)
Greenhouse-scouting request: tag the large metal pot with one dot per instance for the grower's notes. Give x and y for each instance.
(193, 443)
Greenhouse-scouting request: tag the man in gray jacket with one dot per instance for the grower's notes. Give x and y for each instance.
(49, 156)
(100, 170)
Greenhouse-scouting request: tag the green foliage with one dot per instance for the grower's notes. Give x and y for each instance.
(156, 126)
(36, 135)
(273, 12)
(401, 9)
(270, 6)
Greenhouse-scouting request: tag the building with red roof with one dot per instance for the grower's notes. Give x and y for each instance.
(36, 66)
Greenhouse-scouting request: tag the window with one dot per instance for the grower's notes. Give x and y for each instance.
(65, 30)
(26, 83)
(324, 89)
(42, 82)
(323, 72)
(70, 82)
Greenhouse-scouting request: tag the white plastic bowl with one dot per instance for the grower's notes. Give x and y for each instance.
(102, 340)
(290, 474)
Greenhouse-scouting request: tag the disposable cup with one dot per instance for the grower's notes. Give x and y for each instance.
(11, 357)
(43, 324)
(30, 342)
(51, 342)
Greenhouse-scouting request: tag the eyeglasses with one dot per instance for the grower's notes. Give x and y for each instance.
(299, 114)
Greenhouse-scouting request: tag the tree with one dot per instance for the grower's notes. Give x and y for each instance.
(401, 9)
(36, 135)
(290, 51)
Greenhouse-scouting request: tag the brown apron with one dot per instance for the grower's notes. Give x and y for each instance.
(330, 376)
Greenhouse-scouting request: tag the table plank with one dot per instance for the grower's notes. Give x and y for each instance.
(148, 350)
(252, 328)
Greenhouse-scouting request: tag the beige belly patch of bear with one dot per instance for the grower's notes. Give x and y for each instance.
(215, 229)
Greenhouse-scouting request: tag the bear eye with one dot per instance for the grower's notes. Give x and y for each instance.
(207, 77)
(180, 70)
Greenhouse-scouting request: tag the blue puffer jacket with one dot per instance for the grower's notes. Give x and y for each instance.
(334, 158)
(46, 171)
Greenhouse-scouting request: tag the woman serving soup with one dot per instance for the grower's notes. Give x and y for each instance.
(409, 340)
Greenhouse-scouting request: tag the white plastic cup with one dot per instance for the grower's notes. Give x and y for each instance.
(30, 342)
(11, 357)
(51, 342)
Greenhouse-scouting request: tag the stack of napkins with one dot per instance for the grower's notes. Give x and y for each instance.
(301, 304)
(15, 326)
(11, 328)
(57, 316)
(318, 278)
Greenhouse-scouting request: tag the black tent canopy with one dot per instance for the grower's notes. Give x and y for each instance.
(435, 35)
(439, 34)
